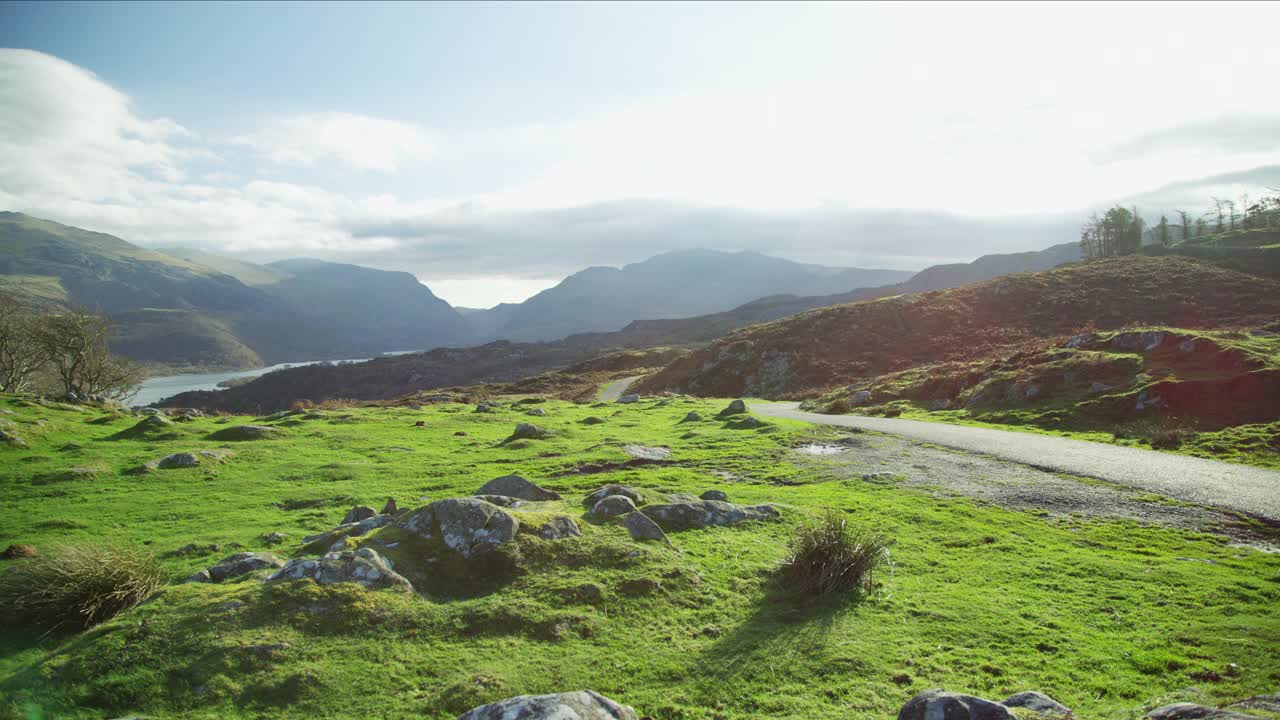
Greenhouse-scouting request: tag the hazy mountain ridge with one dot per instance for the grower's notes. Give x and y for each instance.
(676, 284)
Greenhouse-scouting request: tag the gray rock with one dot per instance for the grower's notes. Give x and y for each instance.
(502, 500)
(1036, 702)
(1268, 703)
(363, 567)
(581, 705)
(681, 498)
(693, 416)
(516, 486)
(559, 528)
(647, 453)
(358, 513)
(706, 513)
(642, 527)
(614, 489)
(468, 526)
(629, 399)
(613, 506)
(860, 397)
(274, 538)
(237, 565)
(882, 477)
(940, 705)
(748, 423)
(592, 420)
(239, 433)
(1192, 711)
(153, 422)
(715, 495)
(486, 407)
(178, 460)
(537, 412)
(9, 438)
(150, 411)
(528, 431)
(735, 408)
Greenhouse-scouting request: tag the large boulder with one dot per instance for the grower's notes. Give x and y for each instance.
(642, 527)
(1036, 702)
(468, 526)
(613, 489)
(581, 705)
(237, 565)
(559, 528)
(238, 433)
(706, 513)
(613, 506)
(515, 486)
(363, 567)
(940, 705)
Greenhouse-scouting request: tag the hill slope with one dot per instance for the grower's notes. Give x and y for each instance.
(671, 285)
(826, 348)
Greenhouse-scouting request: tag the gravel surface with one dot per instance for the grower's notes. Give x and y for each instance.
(617, 388)
(1240, 488)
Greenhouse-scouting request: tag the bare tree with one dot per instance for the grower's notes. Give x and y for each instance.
(1217, 208)
(76, 344)
(20, 355)
(1186, 225)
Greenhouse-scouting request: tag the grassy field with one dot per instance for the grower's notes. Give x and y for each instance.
(1108, 617)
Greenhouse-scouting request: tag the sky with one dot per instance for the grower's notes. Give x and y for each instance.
(493, 148)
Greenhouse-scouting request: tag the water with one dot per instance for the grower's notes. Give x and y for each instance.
(157, 388)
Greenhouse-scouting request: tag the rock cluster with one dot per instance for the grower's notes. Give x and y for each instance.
(363, 567)
(581, 705)
(942, 705)
(706, 513)
(236, 565)
(468, 526)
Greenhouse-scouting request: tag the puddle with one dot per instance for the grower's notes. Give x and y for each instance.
(816, 449)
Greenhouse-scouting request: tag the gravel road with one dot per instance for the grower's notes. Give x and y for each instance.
(1240, 488)
(615, 389)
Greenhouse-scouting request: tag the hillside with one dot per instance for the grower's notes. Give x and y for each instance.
(672, 285)
(183, 313)
(822, 349)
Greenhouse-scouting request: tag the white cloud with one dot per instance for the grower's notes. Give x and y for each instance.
(359, 141)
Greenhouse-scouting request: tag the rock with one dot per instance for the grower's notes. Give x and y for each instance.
(613, 489)
(420, 423)
(706, 513)
(363, 567)
(150, 411)
(178, 460)
(639, 586)
(585, 593)
(237, 565)
(1192, 711)
(1267, 703)
(1036, 702)
(238, 433)
(468, 526)
(715, 495)
(460, 433)
(629, 399)
(559, 528)
(940, 705)
(274, 538)
(486, 407)
(747, 423)
(358, 513)
(537, 412)
(528, 431)
(390, 508)
(152, 422)
(501, 500)
(516, 486)
(613, 506)
(693, 416)
(9, 438)
(882, 477)
(736, 407)
(592, 420)
(681, 498)
(860, 397)
(647, 453)
(194, 549)
(581, 705)
(19, 550)
(642, 527)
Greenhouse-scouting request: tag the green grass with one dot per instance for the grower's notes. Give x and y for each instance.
(1105, 616)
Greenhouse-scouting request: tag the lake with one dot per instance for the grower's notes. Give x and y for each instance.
(157, 388)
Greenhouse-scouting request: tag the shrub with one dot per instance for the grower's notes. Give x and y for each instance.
(832, 557)
(78, 585)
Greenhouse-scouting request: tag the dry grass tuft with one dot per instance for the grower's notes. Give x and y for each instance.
(832, 557)
(78, 586)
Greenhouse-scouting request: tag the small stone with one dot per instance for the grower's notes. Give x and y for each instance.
(693, 416)
(715, 495)
(528, 431)
(640, 452)
(178, 460)
(537, 412)
(736, 407)
(1036, 702)
(460, 433)
(274, 538)
(592, 420)
(559, 528)
(629, 399)
(642, 527)
(420, 423)
(357, 514)
(613, 506)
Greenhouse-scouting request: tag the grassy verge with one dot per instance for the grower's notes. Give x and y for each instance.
(1105, 616)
